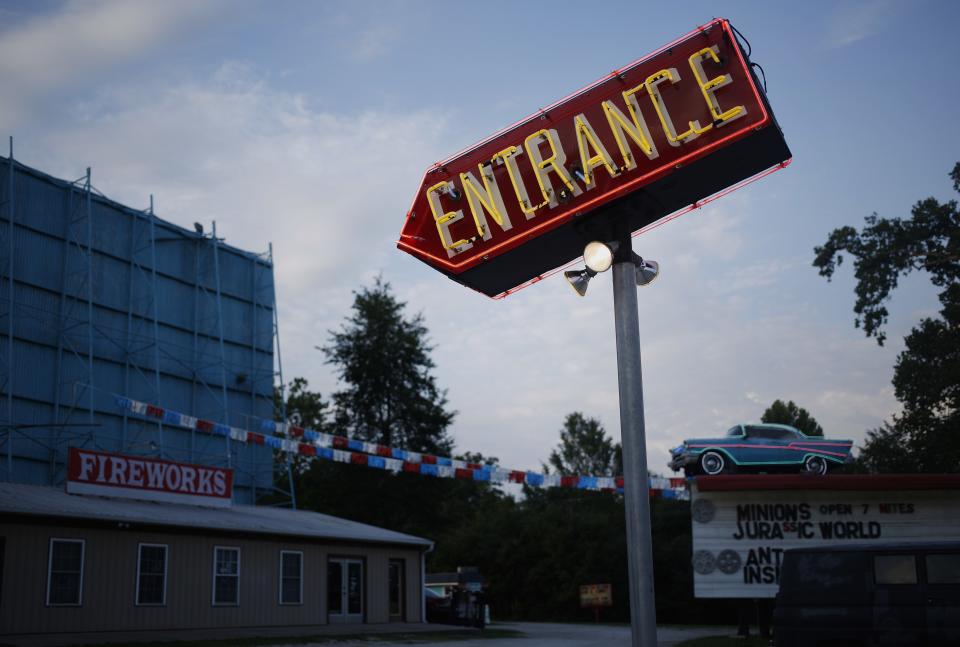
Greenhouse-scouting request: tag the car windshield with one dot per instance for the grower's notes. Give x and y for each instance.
(735, 431)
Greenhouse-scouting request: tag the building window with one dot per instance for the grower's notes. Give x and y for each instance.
(65, 572)
(395, 584)
(226, 575)
(291, 577)
(152, 574)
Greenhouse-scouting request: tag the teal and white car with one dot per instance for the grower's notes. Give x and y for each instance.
(760, 448)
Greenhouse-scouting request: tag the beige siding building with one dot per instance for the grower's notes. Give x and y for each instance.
(73, 564)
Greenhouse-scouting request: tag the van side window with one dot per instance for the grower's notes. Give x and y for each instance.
(895, 569)
(826, 571)
(943, 569)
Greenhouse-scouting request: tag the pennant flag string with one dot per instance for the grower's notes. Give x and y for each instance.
(340, 449)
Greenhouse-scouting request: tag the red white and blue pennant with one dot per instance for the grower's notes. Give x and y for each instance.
(340, 449)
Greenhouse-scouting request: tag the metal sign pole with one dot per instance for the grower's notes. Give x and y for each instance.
(643, 615)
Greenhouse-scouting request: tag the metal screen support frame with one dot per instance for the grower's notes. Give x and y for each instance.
(142, 227)
(6, 379)
(208, 299)
(287, 463)
(77, 219)
(223, 363)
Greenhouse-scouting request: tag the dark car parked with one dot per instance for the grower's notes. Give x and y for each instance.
(869, 594)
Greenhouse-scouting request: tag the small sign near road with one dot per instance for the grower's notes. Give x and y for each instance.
(596, 595)
(647, 140)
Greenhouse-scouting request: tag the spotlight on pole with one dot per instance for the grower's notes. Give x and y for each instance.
(579, 279)
(647, 271)
(599, 256)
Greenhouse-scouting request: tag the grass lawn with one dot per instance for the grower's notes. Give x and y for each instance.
(394, 638)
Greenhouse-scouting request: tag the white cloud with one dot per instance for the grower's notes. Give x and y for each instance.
(719, 342)
(372, 42)
(57, 51)
(849, 23)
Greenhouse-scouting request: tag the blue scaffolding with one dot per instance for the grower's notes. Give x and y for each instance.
(98, 300)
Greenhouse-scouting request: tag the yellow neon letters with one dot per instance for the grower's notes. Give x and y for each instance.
(587, 139)
(675, 139)
(444, 220)
(508, 157)
(548, 161)
(555, 160)
(707, 88)
(485, 197)
(636, 129)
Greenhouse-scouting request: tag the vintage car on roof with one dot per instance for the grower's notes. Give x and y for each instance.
(760, 448)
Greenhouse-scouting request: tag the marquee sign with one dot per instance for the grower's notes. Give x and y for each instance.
(648, 140)
(153, 479)
(742, 524)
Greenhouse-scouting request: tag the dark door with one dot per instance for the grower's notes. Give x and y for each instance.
(345, 592)
(397, 588)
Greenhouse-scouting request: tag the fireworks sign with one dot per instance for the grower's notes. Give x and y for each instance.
(153, 479)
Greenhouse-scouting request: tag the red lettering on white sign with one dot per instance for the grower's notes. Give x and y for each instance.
(105, 474)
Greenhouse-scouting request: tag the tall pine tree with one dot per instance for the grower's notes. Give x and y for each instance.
(586, 449)
(383, 361)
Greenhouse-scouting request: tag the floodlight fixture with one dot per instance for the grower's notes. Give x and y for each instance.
(647, 271)
(579, 279)
(599, 256)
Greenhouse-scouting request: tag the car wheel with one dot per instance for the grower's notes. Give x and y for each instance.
(815, 465)
(712, 463)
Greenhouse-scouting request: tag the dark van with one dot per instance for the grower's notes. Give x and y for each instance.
(869, 594)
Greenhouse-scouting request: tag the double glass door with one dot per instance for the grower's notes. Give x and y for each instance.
(345, 590)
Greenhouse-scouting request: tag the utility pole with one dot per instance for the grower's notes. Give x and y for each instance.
(643, 614)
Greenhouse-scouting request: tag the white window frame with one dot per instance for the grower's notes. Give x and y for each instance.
(300, 576)
(83, 559)
(213, 588)
(166, 561)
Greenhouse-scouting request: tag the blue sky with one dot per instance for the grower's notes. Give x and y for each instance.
(310, 124)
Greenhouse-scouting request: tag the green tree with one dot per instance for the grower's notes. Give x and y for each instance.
(586, 449)
(926, 376)
(788, 413)
(303, 407)
(409, 503)
(383, 360)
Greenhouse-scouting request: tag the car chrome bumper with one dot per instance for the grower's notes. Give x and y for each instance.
(681, 461)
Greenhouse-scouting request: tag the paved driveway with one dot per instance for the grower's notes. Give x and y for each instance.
(536, 634)
(546, 634)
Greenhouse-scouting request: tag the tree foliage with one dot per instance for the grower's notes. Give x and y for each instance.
(382, 358)
(303, 407)
(586, 449)
(889, 248)
(534, 551)
(788, 413)
(926, 380)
